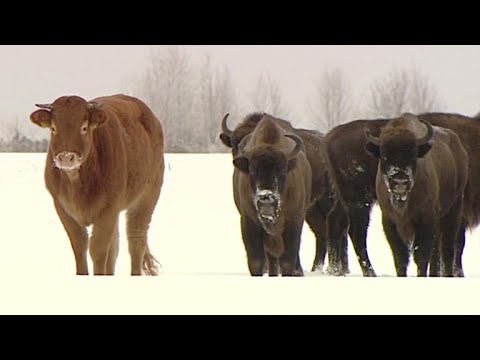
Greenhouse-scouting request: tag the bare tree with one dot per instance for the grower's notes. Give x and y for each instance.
(402, 91)
(168, 86)
(267, 97)
(333, 101)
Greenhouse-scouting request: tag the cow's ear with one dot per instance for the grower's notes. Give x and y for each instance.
(98, 117)
(241, 163)
(226, 140)
(423, 150)
(42, 118)
(292, 163)
(372, 149)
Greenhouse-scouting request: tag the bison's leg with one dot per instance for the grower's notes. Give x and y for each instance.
(273, 266)
(459, 246)
(359, 220)
(102, 235)
(78, 239)
(113, 251)
(423, 245)
(449, 226)
(337, 224)
(316, 219)
(434, 266)
(252, 235)
(400, 252)
(291, 239)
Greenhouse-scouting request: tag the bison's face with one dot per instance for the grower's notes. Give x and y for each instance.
(398, 162)
(71, 129)
(267, 169)
(398, 156)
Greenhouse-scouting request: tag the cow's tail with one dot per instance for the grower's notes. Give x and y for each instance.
(150, 264)
(274, 245)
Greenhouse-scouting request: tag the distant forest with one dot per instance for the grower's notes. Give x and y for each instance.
(191, 98)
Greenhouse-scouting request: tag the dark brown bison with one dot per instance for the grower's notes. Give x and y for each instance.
(353, 173)
(420, 183)
(321, 200)
(104, 156)
(271, 187)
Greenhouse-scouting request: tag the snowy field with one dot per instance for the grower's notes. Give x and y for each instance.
(195, 234)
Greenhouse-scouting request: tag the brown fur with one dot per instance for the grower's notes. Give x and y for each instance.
(266, 151)
(122, 169)
(435, 203)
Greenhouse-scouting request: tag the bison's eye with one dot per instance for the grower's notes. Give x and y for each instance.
(84, 129)
(53, 128)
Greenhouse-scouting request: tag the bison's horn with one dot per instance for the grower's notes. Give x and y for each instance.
(44, 106)
(374, 140)
(225, 128)
(427, 136)
(298, 146)
(93, 105)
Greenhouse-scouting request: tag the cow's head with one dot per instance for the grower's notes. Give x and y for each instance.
(267, 166)
(398, 149)
(71, 121)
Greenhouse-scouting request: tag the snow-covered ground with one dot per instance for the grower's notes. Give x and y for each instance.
(195, 234)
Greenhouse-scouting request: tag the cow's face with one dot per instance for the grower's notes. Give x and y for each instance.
(71, 125)
(267, 169)
(398, 156)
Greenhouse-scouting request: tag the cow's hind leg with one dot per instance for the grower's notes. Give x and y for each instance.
(459, 246)
(78, 239)
(273, 266)
(400, 252)
(449, 226)
(113, 250)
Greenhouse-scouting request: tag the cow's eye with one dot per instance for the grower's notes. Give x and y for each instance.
(84, 130)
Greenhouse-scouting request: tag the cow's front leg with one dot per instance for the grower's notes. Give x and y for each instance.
(78, 239)
(102, 236)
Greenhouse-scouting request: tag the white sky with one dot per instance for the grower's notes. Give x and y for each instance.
(37, 73)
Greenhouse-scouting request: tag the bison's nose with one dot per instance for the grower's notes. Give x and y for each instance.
(67, 160)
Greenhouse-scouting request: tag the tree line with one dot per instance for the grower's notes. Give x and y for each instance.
(191, 97)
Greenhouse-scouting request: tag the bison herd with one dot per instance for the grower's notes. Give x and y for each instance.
(107, 155)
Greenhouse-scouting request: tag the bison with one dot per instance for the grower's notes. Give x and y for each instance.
(104, 156)
(271, 187)
(353, 173)
(322, 197)
(420, 184)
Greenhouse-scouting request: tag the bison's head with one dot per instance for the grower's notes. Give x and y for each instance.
(71, 121)
(398, 149)
(267, 167)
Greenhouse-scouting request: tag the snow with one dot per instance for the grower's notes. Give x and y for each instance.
(195, 234)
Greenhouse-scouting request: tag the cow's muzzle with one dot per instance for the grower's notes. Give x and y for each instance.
(68, 161)
(399, 183)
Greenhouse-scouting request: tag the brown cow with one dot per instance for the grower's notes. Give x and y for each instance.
(271, 187)
(420, 184)
(104, 156)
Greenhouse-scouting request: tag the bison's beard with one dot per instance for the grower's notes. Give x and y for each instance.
(267, 204)
(399, 203)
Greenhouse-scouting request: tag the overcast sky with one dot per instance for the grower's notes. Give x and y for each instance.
(33, 74)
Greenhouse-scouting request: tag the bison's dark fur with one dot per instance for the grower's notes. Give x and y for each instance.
(271, 186)
(420, 183)
(353, 174)
(321, 201)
